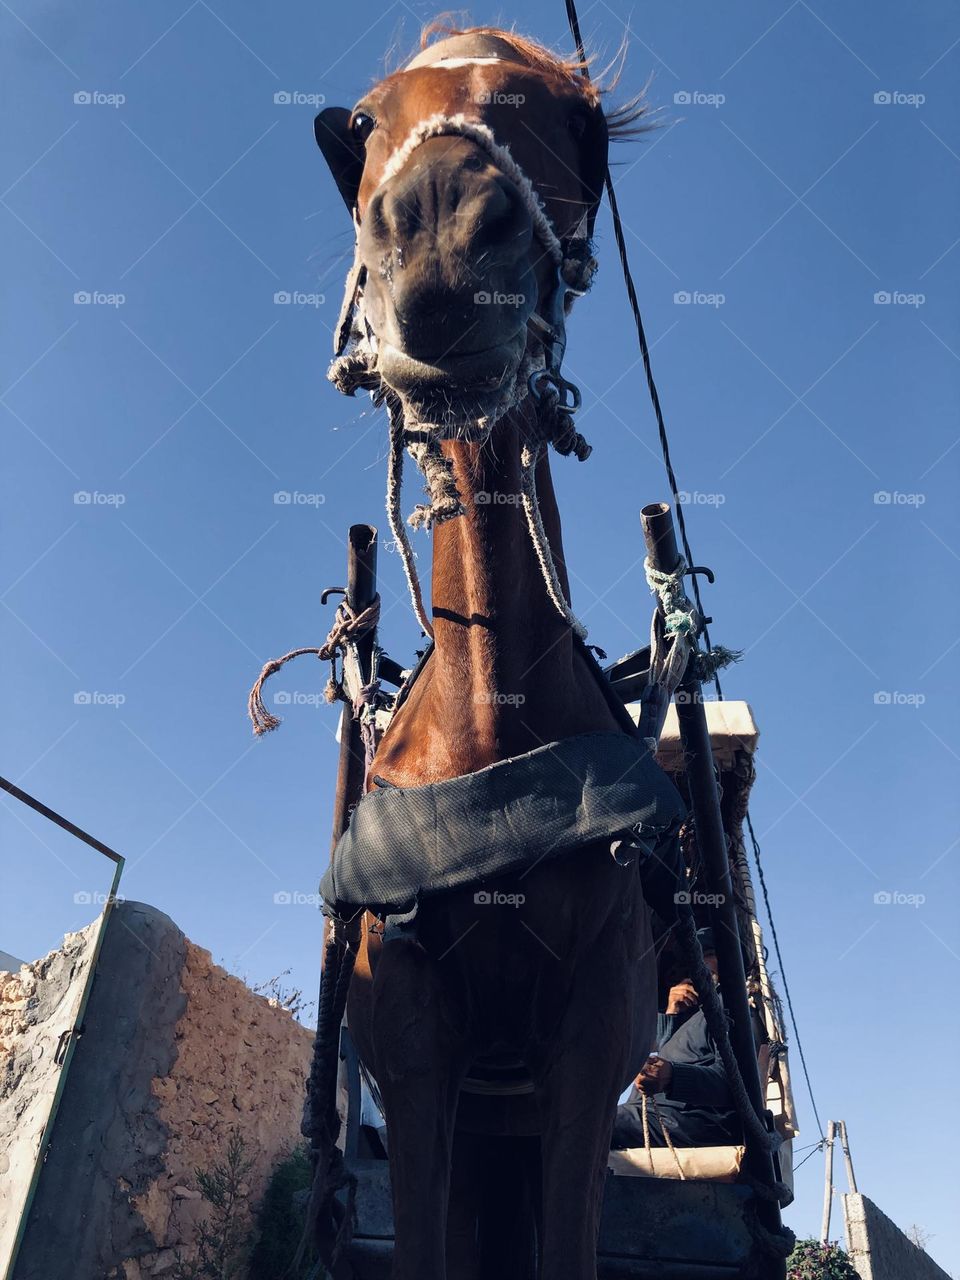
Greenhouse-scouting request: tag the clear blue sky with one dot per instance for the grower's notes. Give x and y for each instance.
(797, 197)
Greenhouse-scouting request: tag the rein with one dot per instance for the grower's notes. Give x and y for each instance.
(539, 376)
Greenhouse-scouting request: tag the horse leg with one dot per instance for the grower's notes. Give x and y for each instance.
(494, 1197)
(420, 1062)
(577, 1092)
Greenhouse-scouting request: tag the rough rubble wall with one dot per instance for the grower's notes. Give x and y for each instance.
(878, 1248)
(37, 1003)
(241, 1062)
(175, 1054)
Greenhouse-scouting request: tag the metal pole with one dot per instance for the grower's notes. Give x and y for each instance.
(828, 1182)
(658, 532)
(361, 590)
(845, 1146)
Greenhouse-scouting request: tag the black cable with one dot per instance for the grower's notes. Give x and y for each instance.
(644, 349)
(574, 22)
(818, 1146)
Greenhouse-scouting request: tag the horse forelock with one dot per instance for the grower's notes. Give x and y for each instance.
(443, 44)
(439, 39)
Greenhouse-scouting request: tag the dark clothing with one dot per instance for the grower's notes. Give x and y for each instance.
(698, 1111)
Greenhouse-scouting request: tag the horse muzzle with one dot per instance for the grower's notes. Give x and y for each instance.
(457, 386)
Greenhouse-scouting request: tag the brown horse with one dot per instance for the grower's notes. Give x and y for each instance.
(549, 972)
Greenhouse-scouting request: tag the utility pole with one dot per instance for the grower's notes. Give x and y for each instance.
(845, 1146)
(828, 1182)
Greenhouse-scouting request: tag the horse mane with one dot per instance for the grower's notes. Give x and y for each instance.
(624, 122)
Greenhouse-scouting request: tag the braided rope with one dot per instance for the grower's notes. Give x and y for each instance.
(644, 1102)
(442, 489)
(321, 1122)
(645, 1120)
(529, 456)
(395, 517)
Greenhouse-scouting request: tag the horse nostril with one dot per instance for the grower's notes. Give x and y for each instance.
(376, 217)
(495, 218)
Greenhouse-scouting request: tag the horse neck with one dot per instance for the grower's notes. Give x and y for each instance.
(500, 641)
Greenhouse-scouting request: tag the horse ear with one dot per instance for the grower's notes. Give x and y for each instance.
(342, 152)
(594, 151)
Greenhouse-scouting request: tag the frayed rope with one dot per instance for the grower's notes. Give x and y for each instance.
(441, 487)
(706, 665)
(348, 627)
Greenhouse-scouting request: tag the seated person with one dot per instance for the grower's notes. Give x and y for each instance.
(685, 1077)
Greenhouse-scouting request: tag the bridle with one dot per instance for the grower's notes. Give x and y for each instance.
(539, 375)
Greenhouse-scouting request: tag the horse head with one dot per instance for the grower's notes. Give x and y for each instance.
(473, 176)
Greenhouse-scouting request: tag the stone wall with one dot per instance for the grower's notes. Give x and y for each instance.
(38, 1002)
(176, 1054)
(878, 1248)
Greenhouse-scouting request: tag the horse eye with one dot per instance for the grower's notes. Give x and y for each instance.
(362, 125)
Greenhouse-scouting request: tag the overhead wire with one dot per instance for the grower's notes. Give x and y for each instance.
(574, 22)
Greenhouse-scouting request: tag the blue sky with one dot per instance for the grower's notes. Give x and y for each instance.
(780, 195)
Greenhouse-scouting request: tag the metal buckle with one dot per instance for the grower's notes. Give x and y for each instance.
(552, 333)
(568, 394)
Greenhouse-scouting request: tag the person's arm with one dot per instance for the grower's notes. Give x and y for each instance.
(702, 1084)
(682, 1002)
(667, 1024)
